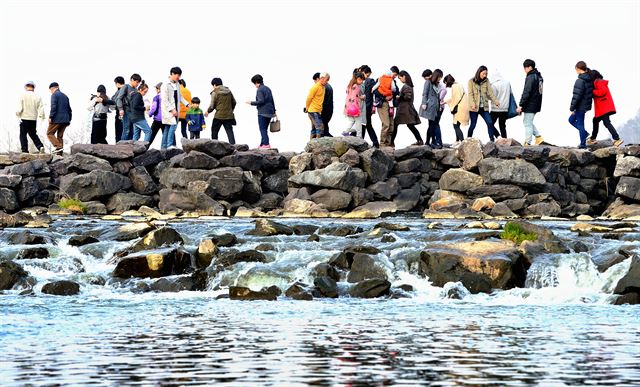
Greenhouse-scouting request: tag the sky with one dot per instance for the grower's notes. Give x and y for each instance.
(81, 44)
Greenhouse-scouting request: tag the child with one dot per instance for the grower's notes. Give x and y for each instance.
(354, 105)
(195, 119)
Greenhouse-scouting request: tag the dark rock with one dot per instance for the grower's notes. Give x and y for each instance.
(593, 171)
(550, 172)
(30, 168)
(336, 145)
(325, 287)
(252, 190)
(122, 167)
(361, 196)
(213, 148)
(122, 202)
(269, 201)
(81, 240)
(95, 184)
(227, 182)
(224, 240)
(246, 294)
(418, 152)
(364, 267)
(551, 243)
(265, 247)
(632, 298)
(28, 238)
(149, 158)
(8, 200)
(313, 238)
(304, 229)
(408, 199)
(164, 236)
(385, 190)
(332, 200)
(170, 153)
(497, 192)
(142, 182)
(10, 274)
(551, 208)
(61, 288)
(248, 161)
(454, 291)
(406, 166)
(181, 200)
(195, 282)
(33, 253)
(407, 180)
(105, 151)
(95, 208)
(630, 283)
(580, 247)
(326, 270)
(154, 263)
(277, 182)
(27, 189)
(391, 226)
(266, 227)
(447, 157)
(387, 239)
(299, 291)
(83, 163)
(376, 164)
(518, 172)
(42, 198)
(10, 181)
(272, 162)
(340, 231)
(231, 257)
(490, 149)
(370, 288)
(198, 160)
(126, 232)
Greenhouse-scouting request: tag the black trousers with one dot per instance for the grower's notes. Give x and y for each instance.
(183, 128)
(155, 127)
(228, 127)
(607, 123)
(501, 119)
(194, 135)
(118, 127)
(99, 132)
(368, 128)
(459, 135)
(325, 121)
(28, 127)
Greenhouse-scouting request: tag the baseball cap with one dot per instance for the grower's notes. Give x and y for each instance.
(30, 83)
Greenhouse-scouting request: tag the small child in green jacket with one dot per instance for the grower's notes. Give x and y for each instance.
(195, 119)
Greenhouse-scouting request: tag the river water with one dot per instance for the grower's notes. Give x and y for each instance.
(561, 330)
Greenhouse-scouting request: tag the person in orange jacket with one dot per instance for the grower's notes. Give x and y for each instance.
(186, 96)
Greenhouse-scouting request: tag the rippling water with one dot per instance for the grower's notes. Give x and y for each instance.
(565, 334)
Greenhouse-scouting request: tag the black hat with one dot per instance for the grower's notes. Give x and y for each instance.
(101, 89)
(54, 84)
(216, 82)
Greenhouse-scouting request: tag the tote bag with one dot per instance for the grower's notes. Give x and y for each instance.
(513, 107)
(274, 125)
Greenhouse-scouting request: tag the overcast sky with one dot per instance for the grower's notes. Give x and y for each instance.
(82, 44)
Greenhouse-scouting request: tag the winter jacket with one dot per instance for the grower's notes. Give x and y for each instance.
(264, 102)
(100, 109)
(430, 101)
(30, 107)
(459, 98)
(315, 98)
(502, 90)
(195, 120)
(602, 100)
(531, 100)
(327, 103)
(155, 111)
(353, 98)
(169, 100)
(582, 93)
(481, 89)
(123, 98)
(406, 113)
(186, 99)
(60, 112)
(136, 107)
(385, 85)
(223, 103)
(368, 93)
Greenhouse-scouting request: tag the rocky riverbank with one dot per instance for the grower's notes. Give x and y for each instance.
(333, 177)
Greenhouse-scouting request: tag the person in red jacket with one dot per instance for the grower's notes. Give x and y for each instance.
(604, 108)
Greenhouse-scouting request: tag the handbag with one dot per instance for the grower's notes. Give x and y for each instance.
(454, 111)
(274, 125)
(513, 107)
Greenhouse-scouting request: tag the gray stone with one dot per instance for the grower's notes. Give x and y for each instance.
(332, 200)
(228, 182)
(301, 163)
(27, 188)
(122, 202)
(181, 200)
(120, 151)
(93, 185)
(370, 288)
(629, 187)
(266, 227)
(408, 199)
(269, 201)
(361, 196)
(142, 182)
(122, 167)
(337, 176)
(376, 164)
(198, 160)
(470, 153)
(418, 152)
(10, 181)
(248, 161)
(385, 190)
(497, 192)
(232, 257)
(350, 157)
(277, 182)
(8, 200)
(336, 145)
(83, 163)
(325, 287)
(213, 148)
(149, 158)
(625, 166)
(364, 267)
(30, 168)
(406, 166)
(518, 172)
(459, 180)
(502, 210)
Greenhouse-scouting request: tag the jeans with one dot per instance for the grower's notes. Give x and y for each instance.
(501, 119)
(28, 127)
(317, 126)
(487, 120)
(607, 123)
(577, 121)
(434, 133)
(263, 124)
(141, 126)
(99, 132)
(529, 128)
(228, 127)
(168, 136)
(127, 130)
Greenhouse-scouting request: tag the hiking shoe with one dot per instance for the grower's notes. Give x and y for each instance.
(539, 140)
(41, 150)
(591, 141)
(618, 142)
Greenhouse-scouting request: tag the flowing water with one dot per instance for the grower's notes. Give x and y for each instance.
(559, 330)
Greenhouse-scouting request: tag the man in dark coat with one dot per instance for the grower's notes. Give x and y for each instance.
(531, 101)
(327, 108)
(59, 117)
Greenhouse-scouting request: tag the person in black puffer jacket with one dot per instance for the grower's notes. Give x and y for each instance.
(581, 101)
(531, 101)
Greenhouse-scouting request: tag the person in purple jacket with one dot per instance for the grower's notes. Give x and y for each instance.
(155, 112)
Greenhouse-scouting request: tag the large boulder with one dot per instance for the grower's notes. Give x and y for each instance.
(408, 198)
(122, 202)
(198, 160)
(331, 199)
(61, 288)
(372, 210)
(10, 181)
(518, 172)
(364, 267)
(370, 288)
(631, 280)
(8, 200)
(418, 152)
(154, 263)
(497, 192)
(629, 187)
(142, 182)
(182, 200)
(277, 182)
(470, 153)
(213, 148)
(336, 145)
(164, 236)
(619, 210)
(459, 180)
(30, 168)
(336, 176)
(627, 166)
(377, 164)
(149, 158)
(93, 185)
(301, 163)
(385, 190)
(248, 161)
(10, 274)
(267, 227)
(83, 163)
(118, 151)
(227, 182)
(480, 266)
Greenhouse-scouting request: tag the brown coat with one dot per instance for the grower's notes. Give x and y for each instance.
(483, 88)
(407, 113)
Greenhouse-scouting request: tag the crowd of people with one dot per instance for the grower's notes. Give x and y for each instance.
(173, 105)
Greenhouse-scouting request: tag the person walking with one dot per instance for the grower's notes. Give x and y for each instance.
(137, 113)
(531, 101)
(354, 105)
(430, 109)
(368, 103)
(480, 94)
(30, 109)
(59, 117)
(500, 114)
(266, 109)
(604, 108)
(327, 107)
(223, 102)
(406, 112)
(184, 107)
(119, 81)
(123, 103)
(313, 106)
(384, 91)
(169, 104)
(458, 106)
(100, 105)
(155, 112)
(581, 101)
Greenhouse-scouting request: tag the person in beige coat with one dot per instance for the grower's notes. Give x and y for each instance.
(480, 94)
(30, 108)
(458, 102)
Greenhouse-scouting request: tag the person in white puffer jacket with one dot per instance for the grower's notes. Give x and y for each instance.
(502, 90)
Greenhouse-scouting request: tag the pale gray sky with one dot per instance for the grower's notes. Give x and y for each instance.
(81, 44)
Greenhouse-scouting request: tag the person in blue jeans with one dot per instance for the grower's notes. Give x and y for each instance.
(266, 109)
(480, 94)
(581, 101)
(137, 113)
(169, 101)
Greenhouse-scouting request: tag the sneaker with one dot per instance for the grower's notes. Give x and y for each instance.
(539, 140)
(591, 141)
(582, 146)
(347, 133)
(264, 146)
(618, 142)
(41, 150)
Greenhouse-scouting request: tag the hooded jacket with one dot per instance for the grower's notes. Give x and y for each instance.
(531, 100)
(582, 93)
(223, 102)
(602, 100)
(136, 107)
(430, 99)
(502, 90)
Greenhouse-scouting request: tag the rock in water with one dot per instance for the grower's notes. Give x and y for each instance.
(61, 288)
